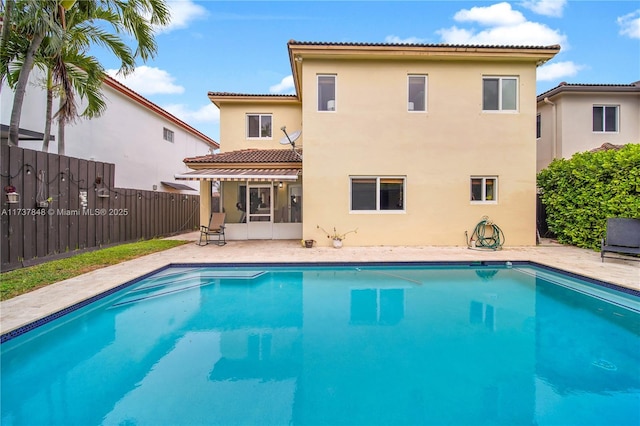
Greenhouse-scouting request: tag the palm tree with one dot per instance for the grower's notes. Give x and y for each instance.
(72, 70)
(32, 20)
(40, 19)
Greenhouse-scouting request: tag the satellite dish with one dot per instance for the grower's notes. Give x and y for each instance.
(290, 139)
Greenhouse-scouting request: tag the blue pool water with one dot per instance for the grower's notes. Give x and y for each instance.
(347, 345)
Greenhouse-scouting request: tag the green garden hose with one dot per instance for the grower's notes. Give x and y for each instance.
(486, 235)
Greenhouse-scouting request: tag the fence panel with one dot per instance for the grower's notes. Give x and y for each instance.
(68, 204)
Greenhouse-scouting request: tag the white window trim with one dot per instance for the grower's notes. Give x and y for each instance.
(484, 188)
(426, 89)
(617, 107)
(378, 210)
(168, 135)
(335, 88)
(260, 115)
(500, 110)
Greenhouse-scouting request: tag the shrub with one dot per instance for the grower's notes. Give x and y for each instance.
(581, 193)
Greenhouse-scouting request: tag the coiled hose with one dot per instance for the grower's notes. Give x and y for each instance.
(486, 235)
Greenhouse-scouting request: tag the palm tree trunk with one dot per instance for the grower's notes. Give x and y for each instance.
(47, 118)
(21, 89)
(4, 41)
(61, 131)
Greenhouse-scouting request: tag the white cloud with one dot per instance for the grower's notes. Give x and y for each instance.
(526, 33)
(553, 8)
(496, 14)
(206, 113)
(409, 40)
(285, 86)
(558, 70)
(505, 27)
(148, 81)
(630, 24)
(182, 13)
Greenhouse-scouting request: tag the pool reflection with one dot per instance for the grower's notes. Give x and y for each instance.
(349, 346)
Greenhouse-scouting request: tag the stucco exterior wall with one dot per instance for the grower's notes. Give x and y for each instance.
(545, 143)
(371, 133)
(233, 124)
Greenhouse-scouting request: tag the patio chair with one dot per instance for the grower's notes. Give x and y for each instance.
(622, 238)
(215, 228)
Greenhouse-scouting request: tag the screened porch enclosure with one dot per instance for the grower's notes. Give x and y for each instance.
(262, 210)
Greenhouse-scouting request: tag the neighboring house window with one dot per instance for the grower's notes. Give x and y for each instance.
(326, 93)
(484, 189)
(167, 134)
(377, 193)
(538, 126)
(605, 118)
(417, 99)
(259, 126)
(499, 93)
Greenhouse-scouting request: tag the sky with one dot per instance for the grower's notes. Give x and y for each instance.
(241, 46)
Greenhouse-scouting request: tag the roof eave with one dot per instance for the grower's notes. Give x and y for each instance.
(558, 90)
(217, 98)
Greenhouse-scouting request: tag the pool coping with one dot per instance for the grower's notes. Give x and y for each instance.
(20, 330)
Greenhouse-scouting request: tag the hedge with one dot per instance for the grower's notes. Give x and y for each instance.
(581, 193)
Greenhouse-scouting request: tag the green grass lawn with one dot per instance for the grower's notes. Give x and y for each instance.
(19, 281)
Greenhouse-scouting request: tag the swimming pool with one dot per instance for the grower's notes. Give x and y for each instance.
(333, 345)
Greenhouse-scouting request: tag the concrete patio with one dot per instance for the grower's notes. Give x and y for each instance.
(32, 306)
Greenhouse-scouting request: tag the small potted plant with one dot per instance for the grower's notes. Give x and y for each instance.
(337, 237)
(12, 196)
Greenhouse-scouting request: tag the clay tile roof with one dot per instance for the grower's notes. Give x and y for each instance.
(250, 156)
(251, 95)
(360, 44)
(589, 87)
(606, 147)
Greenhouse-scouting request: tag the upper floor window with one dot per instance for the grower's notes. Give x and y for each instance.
(377, 193)
(499, 93)
(326, 93)
(538, 126)
(605, 118)
(259, 126)
(167, 134)
(484, 189)
(417, 99)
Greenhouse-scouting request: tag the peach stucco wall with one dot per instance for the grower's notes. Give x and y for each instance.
(233, 124)
(371, 133)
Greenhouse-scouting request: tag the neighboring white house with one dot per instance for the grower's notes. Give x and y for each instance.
(146, 143)
(580, 117)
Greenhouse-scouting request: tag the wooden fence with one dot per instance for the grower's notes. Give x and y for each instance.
(68, 204)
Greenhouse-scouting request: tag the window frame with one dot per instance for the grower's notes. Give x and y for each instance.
(603, 118)
(501, 79)
(260, 115)
(335, 93)
(538, 126)
(378, 180)
(425, 78)
(484, 178)
(168, 135)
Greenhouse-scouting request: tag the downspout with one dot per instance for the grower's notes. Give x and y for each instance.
(554, 134)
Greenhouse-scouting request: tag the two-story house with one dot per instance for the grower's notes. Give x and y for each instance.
(410, 144)
(145, 142)
(580, 117)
